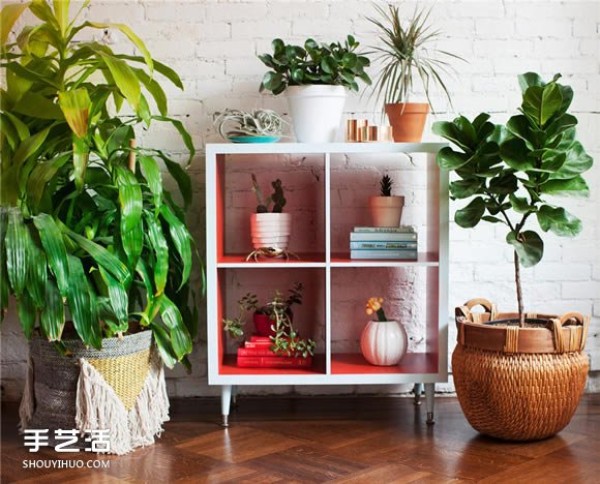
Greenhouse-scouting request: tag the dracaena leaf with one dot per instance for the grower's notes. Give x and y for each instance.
(17, 241)
(125, 79)
(75, 106)
(56, 252)
(82, 304)
(161, 252)
(181, 239)
(131, 203)
(52, 317)
(8, 16)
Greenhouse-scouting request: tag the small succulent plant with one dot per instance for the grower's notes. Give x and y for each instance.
(277, 198)
(385, 185)
(260, 122)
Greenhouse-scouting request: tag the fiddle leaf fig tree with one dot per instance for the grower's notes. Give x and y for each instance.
(87, 230)
(511, 174)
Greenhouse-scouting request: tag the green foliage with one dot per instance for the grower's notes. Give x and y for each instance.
(82, 223)
(331, 64)
(286, 339)
(507, 172)
(385, 185)
(404, 53)
(277, 198)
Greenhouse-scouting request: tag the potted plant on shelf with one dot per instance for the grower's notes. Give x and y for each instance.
(274, 328)
(519, 376)
(383, 342)
(258, 126)
(386, 209)
(270, 227)
(87, 228)
(404, 53)
(315, 78)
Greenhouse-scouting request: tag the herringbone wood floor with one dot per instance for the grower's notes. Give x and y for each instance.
(366, 439)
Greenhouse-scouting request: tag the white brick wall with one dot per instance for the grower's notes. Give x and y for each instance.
(213, 44)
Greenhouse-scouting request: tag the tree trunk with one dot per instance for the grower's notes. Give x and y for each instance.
(519, 291)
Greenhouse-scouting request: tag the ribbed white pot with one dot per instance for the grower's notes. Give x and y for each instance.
(271, 230)
(383, 343)
(316, 112)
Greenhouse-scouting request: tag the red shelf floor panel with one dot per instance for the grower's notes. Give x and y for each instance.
(354, 363)
(229, 367)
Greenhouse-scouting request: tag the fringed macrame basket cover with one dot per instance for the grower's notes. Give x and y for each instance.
(120, 388)
(518, 384)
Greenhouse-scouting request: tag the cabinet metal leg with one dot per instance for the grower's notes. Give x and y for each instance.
(418, 390)
(225, 404)
(429, 394)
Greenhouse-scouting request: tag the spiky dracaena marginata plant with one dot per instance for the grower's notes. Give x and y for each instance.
(86, 224)
(509, 171)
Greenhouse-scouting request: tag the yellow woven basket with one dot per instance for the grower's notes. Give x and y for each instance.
(518, 383)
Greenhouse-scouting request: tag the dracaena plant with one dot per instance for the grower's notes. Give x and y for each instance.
(509, 172)
(88, 232)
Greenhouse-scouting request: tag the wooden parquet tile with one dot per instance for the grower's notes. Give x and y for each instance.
(319, 439)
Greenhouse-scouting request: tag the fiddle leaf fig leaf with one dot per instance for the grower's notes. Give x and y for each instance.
(470, 215)
(520, 204)
(528, 246)
(465, 188)
(449, 159)
(515, 153)
(559, 221)
(576, 187)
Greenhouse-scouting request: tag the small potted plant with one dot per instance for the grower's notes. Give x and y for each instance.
(383, 342)
(404, 53)
(273, 320)
(315, 78)
(258, 126)
(386, 209)
(519, 376)
(270, 227)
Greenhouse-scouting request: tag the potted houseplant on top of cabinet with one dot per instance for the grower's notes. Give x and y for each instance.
(519, 376)
(403, 54)
(87, 228)
(315, 78)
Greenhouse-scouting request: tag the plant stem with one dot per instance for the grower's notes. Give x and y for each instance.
(519, 290)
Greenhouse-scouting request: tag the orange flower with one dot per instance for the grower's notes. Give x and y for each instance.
(374, 306)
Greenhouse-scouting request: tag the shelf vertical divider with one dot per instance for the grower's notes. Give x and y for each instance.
(328, 329)
(212, 288)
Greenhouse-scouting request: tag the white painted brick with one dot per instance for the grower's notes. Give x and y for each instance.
(494, 28)
(250, 67)
(587, 25)
(261, 29)
(291, 11)
(322, 30)
(562, 272)
(581, 290)
(212, 49)
(213, 30)
(552, 28)
(129, 12)
(227, 13)
(176, 12)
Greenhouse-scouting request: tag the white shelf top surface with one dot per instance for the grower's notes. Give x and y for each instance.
(307, 148)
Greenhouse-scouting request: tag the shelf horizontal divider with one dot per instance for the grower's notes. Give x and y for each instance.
(355, 363)
(423, 258)
(305, 260)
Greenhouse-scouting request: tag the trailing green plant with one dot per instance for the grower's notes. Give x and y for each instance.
(277, 198)
(286, 339)
(260, 122)
(385, 186)
(508, 172)
(330, 64)
(85, 223)
(405, 53)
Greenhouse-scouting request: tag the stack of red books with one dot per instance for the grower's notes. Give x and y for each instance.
(257, 353)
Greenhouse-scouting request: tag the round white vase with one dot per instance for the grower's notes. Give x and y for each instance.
(316, 111)
(383, 343)
(271, 230)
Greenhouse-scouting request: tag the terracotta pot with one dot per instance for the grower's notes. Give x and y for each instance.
(386, 211)
(519, 383)
(407, 120)
(383, 343)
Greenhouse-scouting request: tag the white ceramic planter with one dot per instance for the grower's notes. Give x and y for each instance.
(383, 343)
(270, 230)
(316, 112)
(386, 211)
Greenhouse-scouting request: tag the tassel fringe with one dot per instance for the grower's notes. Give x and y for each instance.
(98, 407)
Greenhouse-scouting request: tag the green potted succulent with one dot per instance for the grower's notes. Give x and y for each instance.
(315, 78)
(406, 51)
(274, 320)
(258, 126)
(87, 228)
(519, 376)
(386, 209)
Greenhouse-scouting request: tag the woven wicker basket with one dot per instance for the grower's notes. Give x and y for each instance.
(518, 383)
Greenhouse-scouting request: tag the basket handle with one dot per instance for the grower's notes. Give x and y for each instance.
(573, 339)
(464, 311)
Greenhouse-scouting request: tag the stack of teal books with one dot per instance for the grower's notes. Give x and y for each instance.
(383, 243)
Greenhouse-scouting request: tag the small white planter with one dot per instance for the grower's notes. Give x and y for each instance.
(383, 343)
(386, 211)
(271, 230)
(316, 112)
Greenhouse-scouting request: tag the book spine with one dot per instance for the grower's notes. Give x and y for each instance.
(256, 339)
(385, 230)
(258, 344)
(380, 237)
(273, 362)
(407, 254)
(258, 351)
(383, 245)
